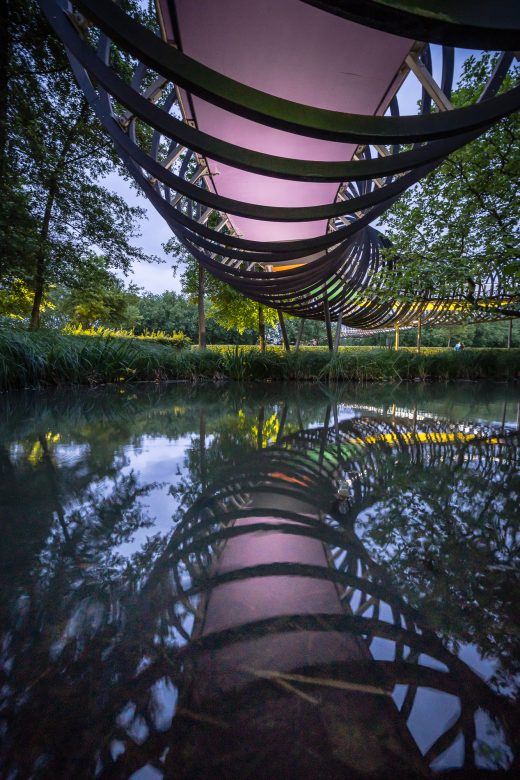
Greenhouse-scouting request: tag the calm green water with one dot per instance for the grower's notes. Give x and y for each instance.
(259, 582)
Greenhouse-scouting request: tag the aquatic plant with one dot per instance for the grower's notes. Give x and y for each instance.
(50, 358)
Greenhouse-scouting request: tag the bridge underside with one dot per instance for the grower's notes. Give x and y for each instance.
(268, 135)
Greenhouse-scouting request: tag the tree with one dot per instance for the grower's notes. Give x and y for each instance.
(99, 297)
(54, 206)
(228, 308)
(171, 311)
(231, 309)
(16, 300)
(168, 312)
(461, 221)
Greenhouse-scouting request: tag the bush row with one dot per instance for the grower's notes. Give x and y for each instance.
(177, 339)
(31, 360)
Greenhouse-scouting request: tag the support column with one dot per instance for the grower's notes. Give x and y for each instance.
(283, 418)
(261, 327)
(324, 433)
(419, 328)
(284, 331)
(396, 344)
(327, 322)
(202, 447)
(510, 334)
(201, 312)
(260, 427)
(300, 335)
(338, 333)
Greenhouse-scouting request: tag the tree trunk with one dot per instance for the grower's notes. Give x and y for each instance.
(40, 269)
(39, 272)
(300, 335)
(202, 315)
(5, 47)
(39, 282)
(338, 333)
(261, 327)
(327, 323)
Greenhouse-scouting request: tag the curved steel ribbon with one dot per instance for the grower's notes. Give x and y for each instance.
(319, 276)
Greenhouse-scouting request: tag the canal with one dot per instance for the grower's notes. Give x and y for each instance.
(268, 581)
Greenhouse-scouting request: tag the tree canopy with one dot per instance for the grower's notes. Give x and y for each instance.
(461, 222)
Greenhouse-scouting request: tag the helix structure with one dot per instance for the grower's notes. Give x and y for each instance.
(232, 122)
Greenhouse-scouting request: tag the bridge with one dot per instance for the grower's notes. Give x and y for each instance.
(269, 136)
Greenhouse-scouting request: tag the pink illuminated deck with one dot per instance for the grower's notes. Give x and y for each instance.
(294, 51)
(246, 601)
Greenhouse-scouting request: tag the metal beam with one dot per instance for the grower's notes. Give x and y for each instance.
(201, 171)
(152, 93)
(428, 82)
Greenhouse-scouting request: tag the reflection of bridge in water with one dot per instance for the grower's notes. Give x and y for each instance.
(300, 637)
(270, 636)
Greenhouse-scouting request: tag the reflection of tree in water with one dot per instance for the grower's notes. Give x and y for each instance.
(101, 653)
(449, 536)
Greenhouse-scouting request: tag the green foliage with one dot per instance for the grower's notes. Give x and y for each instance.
(176, 339)
(48, 358)
(166, 312)
(170, 311)
(98, 296)
(231, 309)
(16, 299)
(461, 221)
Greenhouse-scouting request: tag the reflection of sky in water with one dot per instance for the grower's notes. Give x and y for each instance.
(160, 460)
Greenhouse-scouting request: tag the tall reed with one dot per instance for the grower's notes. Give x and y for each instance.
(50, 358)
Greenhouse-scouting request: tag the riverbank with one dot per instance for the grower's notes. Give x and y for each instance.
(53, 359)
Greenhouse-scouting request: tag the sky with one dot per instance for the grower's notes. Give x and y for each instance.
(157, 278)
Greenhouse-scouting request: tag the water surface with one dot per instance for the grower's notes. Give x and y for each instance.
(260, 582)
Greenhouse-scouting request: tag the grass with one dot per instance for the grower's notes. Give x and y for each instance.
(50, 358)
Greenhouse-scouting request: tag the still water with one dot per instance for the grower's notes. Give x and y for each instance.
(259, 582)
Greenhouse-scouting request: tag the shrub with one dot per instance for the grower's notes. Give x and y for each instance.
(177, 339)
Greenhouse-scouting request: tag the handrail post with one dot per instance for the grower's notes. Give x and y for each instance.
(327, 322)
(284, 331)
(338, 332)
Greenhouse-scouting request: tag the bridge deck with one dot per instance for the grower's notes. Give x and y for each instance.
(296, 52)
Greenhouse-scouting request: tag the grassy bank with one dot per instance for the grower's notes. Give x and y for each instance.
(42, 359)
